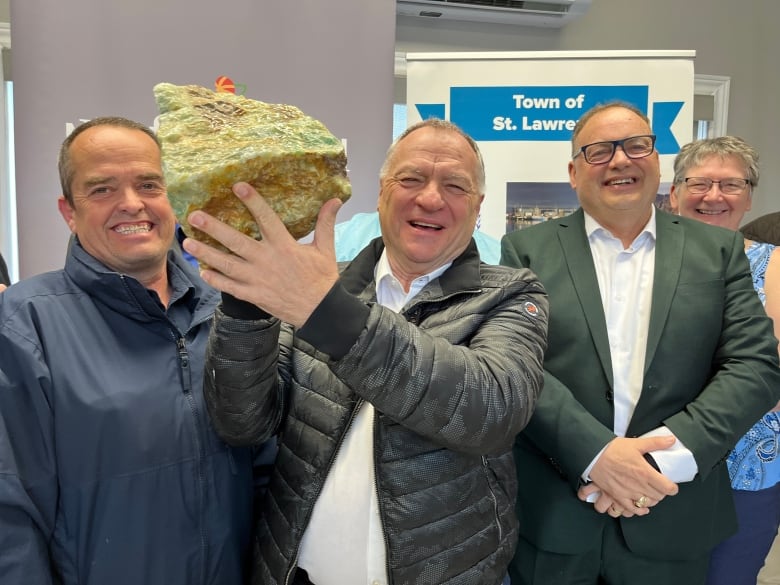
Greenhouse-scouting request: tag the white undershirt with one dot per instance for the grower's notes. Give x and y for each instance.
(344, 543)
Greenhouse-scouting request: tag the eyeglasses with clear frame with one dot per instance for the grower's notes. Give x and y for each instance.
(600, 153)
(702, 185)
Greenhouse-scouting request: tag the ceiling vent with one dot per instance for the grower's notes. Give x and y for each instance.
(544, 13)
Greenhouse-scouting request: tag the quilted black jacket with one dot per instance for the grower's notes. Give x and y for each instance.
(453, 378)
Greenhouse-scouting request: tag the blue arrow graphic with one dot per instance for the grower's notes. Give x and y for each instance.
(430, 111)
(664, 114)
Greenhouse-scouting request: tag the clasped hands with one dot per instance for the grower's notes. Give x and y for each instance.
(283, 277)
(623, 482)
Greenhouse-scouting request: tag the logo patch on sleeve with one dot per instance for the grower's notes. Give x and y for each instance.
(531, 309)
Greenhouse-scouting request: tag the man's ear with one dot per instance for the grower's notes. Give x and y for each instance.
(673, 203)
(572, 175)
(67, 212)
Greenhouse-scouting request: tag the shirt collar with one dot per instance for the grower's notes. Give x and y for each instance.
(386, 280)
(592, 226)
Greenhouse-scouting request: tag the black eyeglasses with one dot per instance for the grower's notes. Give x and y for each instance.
(600, 153)
(730, 186)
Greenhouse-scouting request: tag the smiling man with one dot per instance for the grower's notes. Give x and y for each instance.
(396, 386)
(114, 201)
(109, 470)
(654, 329)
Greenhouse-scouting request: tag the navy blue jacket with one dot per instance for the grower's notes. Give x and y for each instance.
(109, 470)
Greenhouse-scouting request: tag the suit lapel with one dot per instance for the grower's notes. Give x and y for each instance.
(670, 240)
(579, 262)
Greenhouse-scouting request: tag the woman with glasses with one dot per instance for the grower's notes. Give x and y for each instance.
(713, 183)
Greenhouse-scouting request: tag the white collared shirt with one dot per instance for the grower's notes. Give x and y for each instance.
(344, 543)
(625, 278)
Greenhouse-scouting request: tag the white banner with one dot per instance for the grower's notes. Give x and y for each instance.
(521, 107)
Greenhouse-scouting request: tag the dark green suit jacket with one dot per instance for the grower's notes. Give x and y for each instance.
(711, 371)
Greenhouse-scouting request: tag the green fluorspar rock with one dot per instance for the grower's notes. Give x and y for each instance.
(210, 141)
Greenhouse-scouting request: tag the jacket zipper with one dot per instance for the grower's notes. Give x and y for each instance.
(184, 369)
(184, 365)
(381, 507)
(352, 416)
(493, 497)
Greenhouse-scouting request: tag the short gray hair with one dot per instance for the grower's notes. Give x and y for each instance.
(696, 152)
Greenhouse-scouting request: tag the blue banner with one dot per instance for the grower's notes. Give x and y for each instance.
(545, 113)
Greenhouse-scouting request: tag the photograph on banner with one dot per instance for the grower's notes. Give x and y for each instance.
(530, 203)
(522, 108)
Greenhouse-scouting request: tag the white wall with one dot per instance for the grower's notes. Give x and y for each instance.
(737, 39)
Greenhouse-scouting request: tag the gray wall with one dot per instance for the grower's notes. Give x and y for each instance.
(333, 60)
(737, 39)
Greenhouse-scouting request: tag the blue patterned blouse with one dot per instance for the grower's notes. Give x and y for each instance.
(753, 464)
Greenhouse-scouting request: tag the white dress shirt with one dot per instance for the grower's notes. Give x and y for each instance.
(344, 543)
(625, 279)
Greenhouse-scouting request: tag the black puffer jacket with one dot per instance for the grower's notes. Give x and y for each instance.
(453, 379)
